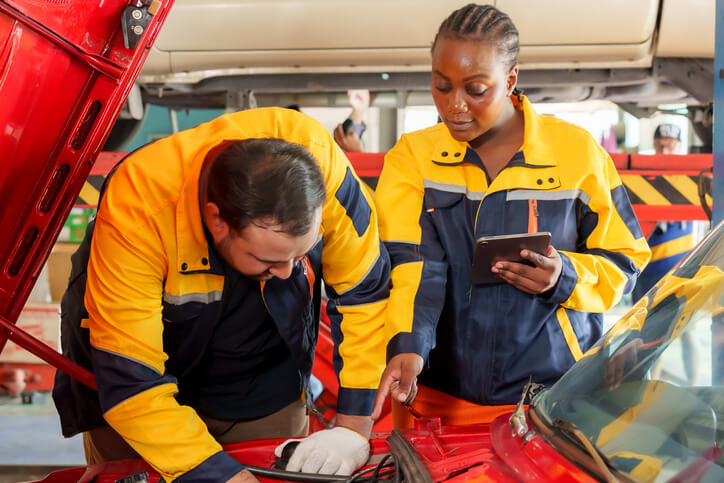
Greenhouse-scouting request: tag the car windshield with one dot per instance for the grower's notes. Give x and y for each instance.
(650, 393)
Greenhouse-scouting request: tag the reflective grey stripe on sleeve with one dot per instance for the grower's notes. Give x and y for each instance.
(454, 188)
(204, 298)
(129, 358)
(548, 195)
(363, 279)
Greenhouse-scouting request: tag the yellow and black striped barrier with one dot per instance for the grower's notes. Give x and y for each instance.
(90, 192)
(665, 189)
(672, 192)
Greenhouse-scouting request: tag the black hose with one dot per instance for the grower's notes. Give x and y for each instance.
(283, 475)
(702, 188)
(413, 469)
(379, 473)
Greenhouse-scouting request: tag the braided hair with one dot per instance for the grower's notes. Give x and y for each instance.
(482, 22)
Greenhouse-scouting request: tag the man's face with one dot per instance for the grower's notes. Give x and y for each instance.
(262, 251)
(667, 145)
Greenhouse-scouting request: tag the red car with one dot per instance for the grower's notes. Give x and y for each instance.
(641, 405)
(629, 410)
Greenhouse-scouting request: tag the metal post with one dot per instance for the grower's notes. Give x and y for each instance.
(43, 351)
(718, 129)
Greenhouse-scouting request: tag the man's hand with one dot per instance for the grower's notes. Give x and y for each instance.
(350, 142)
(244, 476)
(399, 380)
(543, 276)
(337, 451)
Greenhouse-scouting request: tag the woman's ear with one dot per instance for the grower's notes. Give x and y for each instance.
(512, 79)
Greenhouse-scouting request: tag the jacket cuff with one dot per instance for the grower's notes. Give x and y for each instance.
(406, 342)
(355, 402)
(218, 467)
(566, 283)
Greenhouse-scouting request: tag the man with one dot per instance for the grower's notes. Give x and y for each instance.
(203, 296)
(669, 242)
(667, 139)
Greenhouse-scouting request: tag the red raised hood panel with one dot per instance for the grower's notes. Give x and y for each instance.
(64, 75)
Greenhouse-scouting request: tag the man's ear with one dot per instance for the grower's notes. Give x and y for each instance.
(218, 228)
(512, 79)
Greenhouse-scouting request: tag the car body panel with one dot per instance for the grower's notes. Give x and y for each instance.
(303, 34)
(64, 76)
(474, 453)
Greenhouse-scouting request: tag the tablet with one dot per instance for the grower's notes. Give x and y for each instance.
(492, 249)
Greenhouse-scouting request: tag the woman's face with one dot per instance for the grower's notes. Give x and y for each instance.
(470, 85)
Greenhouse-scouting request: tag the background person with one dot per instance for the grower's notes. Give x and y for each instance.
(349, 134)
(669, 241)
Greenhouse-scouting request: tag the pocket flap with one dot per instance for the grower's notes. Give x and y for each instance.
(435, 199)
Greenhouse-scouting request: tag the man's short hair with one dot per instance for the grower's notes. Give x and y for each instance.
(667, 131)
(266, 178)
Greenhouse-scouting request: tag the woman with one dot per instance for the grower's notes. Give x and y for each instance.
(493, 166)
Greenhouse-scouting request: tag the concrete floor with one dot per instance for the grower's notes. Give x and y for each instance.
(31, 445)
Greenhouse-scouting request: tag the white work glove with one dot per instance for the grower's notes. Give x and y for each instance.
(336, 451)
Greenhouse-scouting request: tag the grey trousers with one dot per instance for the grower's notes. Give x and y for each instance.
(105, 444)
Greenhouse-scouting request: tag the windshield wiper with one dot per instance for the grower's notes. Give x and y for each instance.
(603, 463)
(517, 419)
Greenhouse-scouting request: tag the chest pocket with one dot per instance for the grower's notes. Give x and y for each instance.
(541, 205)
(448, 217)
(527, 178)
(187, 330)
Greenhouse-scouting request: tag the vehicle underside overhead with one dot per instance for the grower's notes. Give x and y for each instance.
(669, 80)
(638, 91)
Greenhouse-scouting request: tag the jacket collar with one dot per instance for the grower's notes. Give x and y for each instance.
(533, 153)
(193, 253)
(192, 248)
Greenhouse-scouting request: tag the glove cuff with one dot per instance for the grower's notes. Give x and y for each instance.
(344, 428)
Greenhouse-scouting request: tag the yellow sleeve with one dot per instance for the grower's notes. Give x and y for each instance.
(123, 297)
(419, 268)
(355, 268)
(615, 251)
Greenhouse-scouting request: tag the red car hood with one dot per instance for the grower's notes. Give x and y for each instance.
(474, 453)
(65, 73)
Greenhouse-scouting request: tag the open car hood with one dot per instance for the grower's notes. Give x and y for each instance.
(66, 68)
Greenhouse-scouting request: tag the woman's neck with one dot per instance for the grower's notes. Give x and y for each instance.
(497, 146)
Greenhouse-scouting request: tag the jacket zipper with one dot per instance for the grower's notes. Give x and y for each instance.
(532, 216)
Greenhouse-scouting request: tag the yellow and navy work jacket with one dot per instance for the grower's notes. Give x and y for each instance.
(669, 243)
(153, 298)
(434, 199)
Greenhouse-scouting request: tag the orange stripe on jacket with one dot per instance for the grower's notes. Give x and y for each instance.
(532, 216)
(451, 410)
